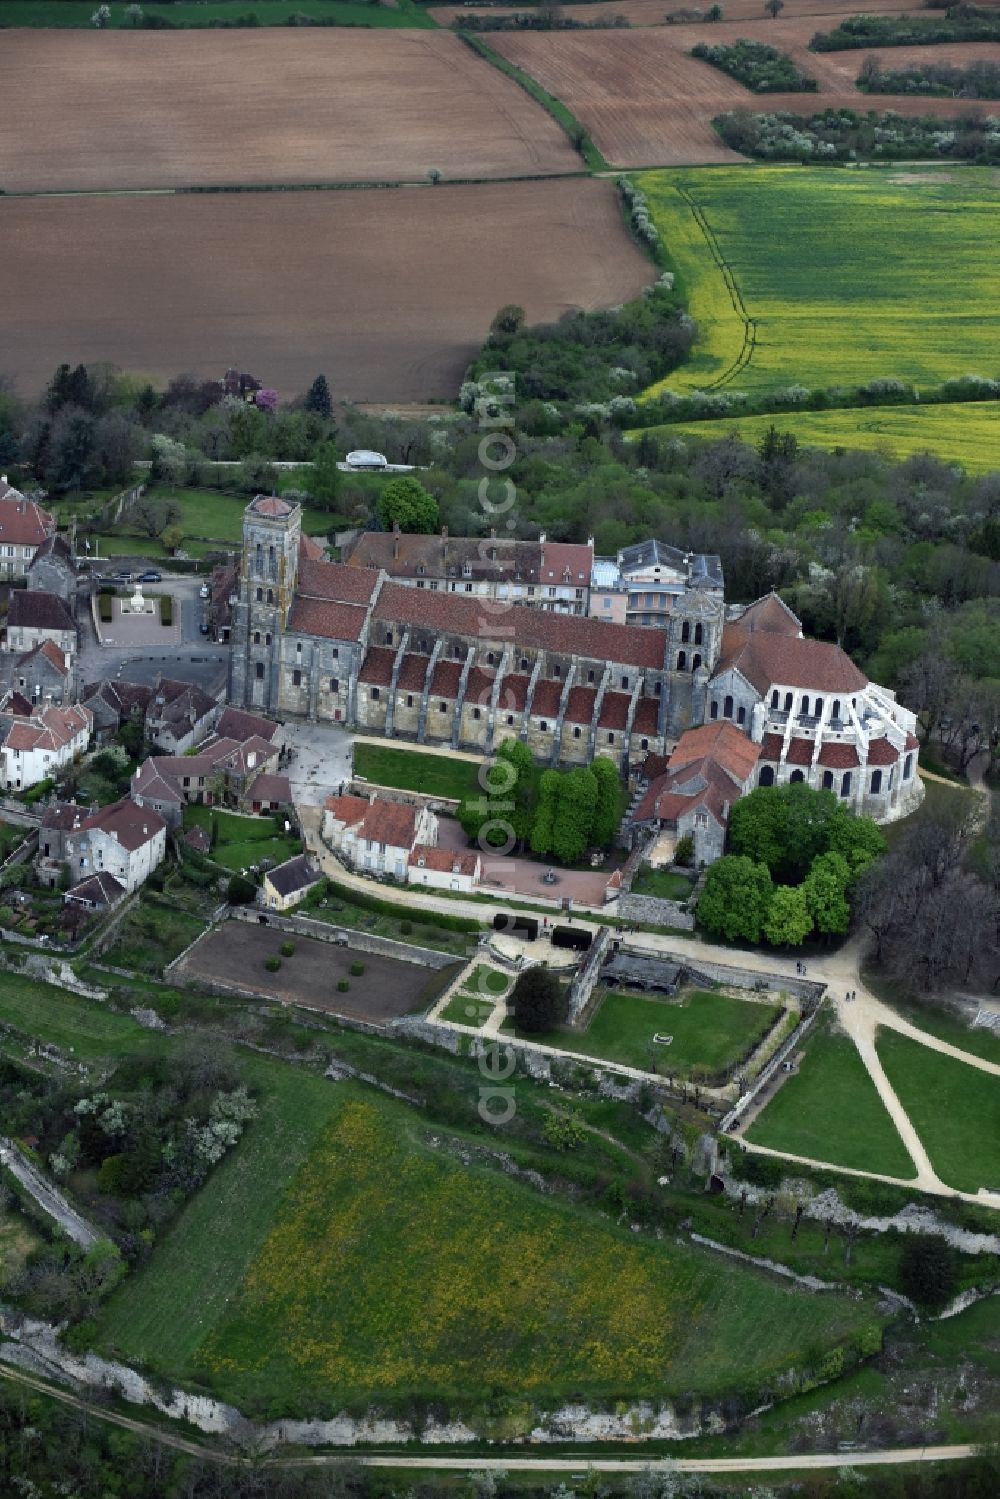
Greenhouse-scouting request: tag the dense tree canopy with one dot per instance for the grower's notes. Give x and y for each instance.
(405, 503)
(538, 1000)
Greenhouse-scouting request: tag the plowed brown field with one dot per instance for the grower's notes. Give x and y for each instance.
(115, 109)
(390, 293)
(647, 103)
(652, 12)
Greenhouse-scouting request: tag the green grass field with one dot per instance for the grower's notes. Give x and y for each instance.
(152, 935)
(70, 1022)
(913, 298)
(710, 1031)
(336, 1258)
(665, 884)
(954, 1108)
(73, 13)
(829, 1111)
(242, 841)
(964, 432)
(475, 1001)
(408, 770)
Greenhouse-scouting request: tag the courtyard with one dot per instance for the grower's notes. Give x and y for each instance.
(235, 954)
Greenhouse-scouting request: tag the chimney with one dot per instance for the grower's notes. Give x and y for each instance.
(395, 543)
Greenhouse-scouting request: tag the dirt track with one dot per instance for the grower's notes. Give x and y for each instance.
(115, 109)
(390, 293)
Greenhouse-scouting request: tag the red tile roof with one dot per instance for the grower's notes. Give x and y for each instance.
(881, 752)
(271, 788)
(270, 505)
(377, 666)
(765, 659)
(770, 613)
(23, 522)
(770, 748)
(580, 707)
(310, 550)
(614, 710)
(799, 752)
(568, 634)
(347, 809)
(334, 581)
(237, 724)
(722, 742)
(839, 756)
(912, 742)
(391, 823)
(444, 860)
(479, 687)
(330, 621)
(548, 695)
(447, 675)
(513, 693)
(412, 672)
(647, 716)
(560, 558)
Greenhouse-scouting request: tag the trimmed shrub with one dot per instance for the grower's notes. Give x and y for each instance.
(105, 605)
(571, 936)
(273, 963)
(523, 927)
(366, 902)
(538, 1001)
(357, 969)
(287, 949)
(343, 985)
(166, 610)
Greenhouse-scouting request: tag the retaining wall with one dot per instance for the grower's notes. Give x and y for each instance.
(325, 931)
(652, 911)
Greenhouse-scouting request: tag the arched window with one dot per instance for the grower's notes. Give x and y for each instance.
(686, 631)
(695, 663)
(766, 777)
(256, 637)
(270, 595)
(727, 706)
(775, 698)
(818, 707)
(845, 785)
(828, 780)
(714, 709)
(272, 563)
(805, 704)
(258, 558)
(491, 657)
(835, 710)
(788, 702)
(697, 635)
(907, 767)
(796, 775)
(681, 660)
(741, 715)
(876, 782)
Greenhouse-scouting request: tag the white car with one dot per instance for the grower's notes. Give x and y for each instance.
(204, 591)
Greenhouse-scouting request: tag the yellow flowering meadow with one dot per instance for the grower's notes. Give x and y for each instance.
(394, 1270)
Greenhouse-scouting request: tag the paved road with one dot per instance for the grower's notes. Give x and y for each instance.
(194, 658)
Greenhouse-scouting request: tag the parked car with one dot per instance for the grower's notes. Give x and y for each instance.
(203, 627)
(204, 592)
(151, 576)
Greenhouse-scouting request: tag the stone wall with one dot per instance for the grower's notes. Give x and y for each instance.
(651, 911)
(325, 931)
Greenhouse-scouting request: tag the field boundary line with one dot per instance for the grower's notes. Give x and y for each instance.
(746, 353)
(235, 189)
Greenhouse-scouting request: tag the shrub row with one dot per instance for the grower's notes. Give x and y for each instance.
(166, 609)
(760, 68)
(525, 928)
(367, 902)
(572, 936)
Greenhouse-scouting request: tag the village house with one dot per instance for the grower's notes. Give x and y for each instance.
(444, 868)
(287, 884)
(24, 527)
(98, 892)
(45, 674)
(125, 840)
(53, 570)
(376, 836)
(115, 704)
(178, 715)
(35, 745)
(34, 617)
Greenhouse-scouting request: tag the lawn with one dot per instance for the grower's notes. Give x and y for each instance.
(73, 13)
(829, 1111)
(967, 433)
(954, 1108)
(409, 770)
(241, 841)
(665, 884)
(474, 1003)
(816, 316)
(153, 933)
(209, 518)
(336, 1258)
(710, 1031)
(70, 1022)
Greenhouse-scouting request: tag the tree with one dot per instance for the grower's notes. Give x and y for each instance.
(509, 319)
(406, 503)
(318, 398)
(734, 903)
(784, 827)
(325, 478)
(575, 814)
(774, 8)
(101, 17)
(859, 840)
(434, 175)
(133, 15)
(825, 892)
(928, 1269)
(605, 822)
(172, 536)
(538, 1001)
(504, 809)
(788, 921)
(543, 826)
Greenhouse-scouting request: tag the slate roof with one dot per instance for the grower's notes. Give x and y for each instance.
(271, 788)
(61, 816)
(237, 724)
(100, 889)
(294, 874)
(129, 824)
(55, 546)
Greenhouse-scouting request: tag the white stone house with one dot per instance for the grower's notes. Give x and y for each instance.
(124, 839)
(287, 884)
(36, 746)
(34, 617)
(377, 837)
(24, 527)
(444, 868)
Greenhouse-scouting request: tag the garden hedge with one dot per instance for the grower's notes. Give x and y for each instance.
(571, 936)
